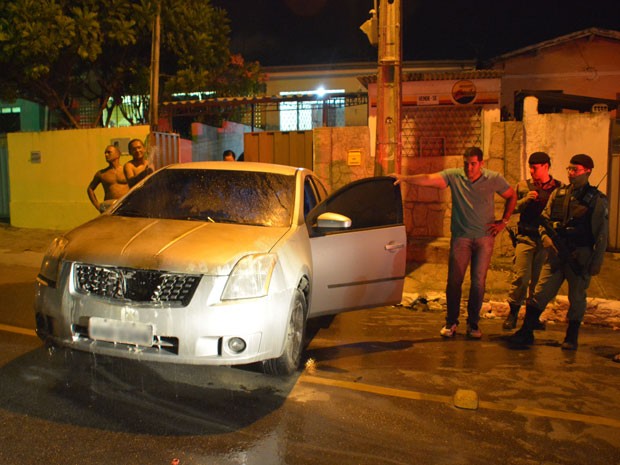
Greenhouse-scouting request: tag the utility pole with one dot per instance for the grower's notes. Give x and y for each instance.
(154, 88)
(389, 88)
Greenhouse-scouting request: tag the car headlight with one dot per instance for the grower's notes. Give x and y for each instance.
(250, 277)
(52, 260)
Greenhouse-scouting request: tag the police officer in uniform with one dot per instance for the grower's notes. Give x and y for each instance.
(532, 195)
(574, 229)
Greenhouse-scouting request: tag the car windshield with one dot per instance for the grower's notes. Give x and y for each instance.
(218, 196)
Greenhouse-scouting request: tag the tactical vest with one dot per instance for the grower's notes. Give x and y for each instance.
(571, 213)
(529, 217)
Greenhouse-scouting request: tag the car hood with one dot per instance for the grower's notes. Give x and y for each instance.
(170, 245)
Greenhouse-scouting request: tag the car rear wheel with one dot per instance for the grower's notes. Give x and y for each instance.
(287, 363)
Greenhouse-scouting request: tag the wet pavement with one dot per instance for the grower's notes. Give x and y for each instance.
(378, 386)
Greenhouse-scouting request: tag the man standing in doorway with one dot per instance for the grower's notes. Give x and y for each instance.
(473, 228)
(112, 179)
(532, 195)
(138, 167)
(574, 230)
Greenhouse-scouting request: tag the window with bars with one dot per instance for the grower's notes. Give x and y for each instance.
(305, 115)
(252, 118)
(443, 131)
(87, 113)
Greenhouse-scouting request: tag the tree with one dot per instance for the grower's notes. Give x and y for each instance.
(55, 52)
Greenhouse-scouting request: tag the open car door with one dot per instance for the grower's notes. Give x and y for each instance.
(359, 251)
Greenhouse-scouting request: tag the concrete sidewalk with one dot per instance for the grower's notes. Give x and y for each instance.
(428, 280)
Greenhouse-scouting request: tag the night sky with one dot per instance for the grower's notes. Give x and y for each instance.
(296, 32)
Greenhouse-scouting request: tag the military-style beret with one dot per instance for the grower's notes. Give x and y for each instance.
(583, 160)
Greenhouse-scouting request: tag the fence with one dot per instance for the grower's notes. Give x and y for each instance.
(165, 148)
(4, 178)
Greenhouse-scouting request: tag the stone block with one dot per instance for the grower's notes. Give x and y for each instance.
(466, 399)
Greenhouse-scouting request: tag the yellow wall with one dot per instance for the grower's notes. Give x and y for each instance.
(52, 194)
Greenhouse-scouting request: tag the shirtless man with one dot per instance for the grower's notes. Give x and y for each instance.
(138, 168)
(111, 178)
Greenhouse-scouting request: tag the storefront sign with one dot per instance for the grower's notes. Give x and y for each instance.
(428, 100)
(464, 92)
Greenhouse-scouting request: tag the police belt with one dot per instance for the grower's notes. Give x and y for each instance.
(575, 237)
(528, 230)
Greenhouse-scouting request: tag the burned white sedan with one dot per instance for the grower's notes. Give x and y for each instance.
(220, 263)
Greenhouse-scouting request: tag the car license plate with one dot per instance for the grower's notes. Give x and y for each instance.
(124, 332)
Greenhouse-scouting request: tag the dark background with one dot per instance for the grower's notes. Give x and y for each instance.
(295, 32)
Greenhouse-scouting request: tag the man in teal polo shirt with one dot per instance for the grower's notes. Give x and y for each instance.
(473, 227)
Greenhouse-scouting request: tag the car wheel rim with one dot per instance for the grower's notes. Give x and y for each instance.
(296, 332)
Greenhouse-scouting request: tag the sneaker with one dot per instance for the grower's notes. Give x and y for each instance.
(473, 332)
(448, 331)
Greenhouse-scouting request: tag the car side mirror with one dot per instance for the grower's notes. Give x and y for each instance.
(333, 221)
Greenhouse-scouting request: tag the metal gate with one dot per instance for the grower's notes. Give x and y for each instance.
(440, 131)
(294, 148)
(164, 148)
(4, 179)
(613, 189)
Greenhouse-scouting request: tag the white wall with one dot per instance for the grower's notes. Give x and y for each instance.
(563, 135)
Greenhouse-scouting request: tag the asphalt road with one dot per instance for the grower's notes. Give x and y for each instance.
(378, 387)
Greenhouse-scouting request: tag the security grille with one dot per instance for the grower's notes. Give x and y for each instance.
(252, 117)
(440, 131)
(87, 113)
(304, 115)
(302, 111)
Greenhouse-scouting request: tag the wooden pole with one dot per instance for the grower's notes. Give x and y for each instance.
(154, 88)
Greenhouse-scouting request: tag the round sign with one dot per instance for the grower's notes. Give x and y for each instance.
(464, 92)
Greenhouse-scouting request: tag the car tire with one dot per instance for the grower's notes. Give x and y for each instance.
(288, 363)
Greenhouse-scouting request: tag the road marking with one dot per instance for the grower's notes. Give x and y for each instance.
(414, 395)
(499, 406)
(18, 330)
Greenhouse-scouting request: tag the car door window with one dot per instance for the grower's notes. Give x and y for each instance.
(369, 203)
(362, 265)
(314, 192)
(310, 196)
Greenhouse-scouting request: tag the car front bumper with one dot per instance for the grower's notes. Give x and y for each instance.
(205, 332)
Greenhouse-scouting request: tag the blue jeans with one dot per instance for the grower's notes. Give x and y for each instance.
(464, 252)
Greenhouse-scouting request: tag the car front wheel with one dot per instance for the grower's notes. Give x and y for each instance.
(287, 363)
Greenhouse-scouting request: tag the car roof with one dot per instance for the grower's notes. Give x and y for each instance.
(239, 166)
